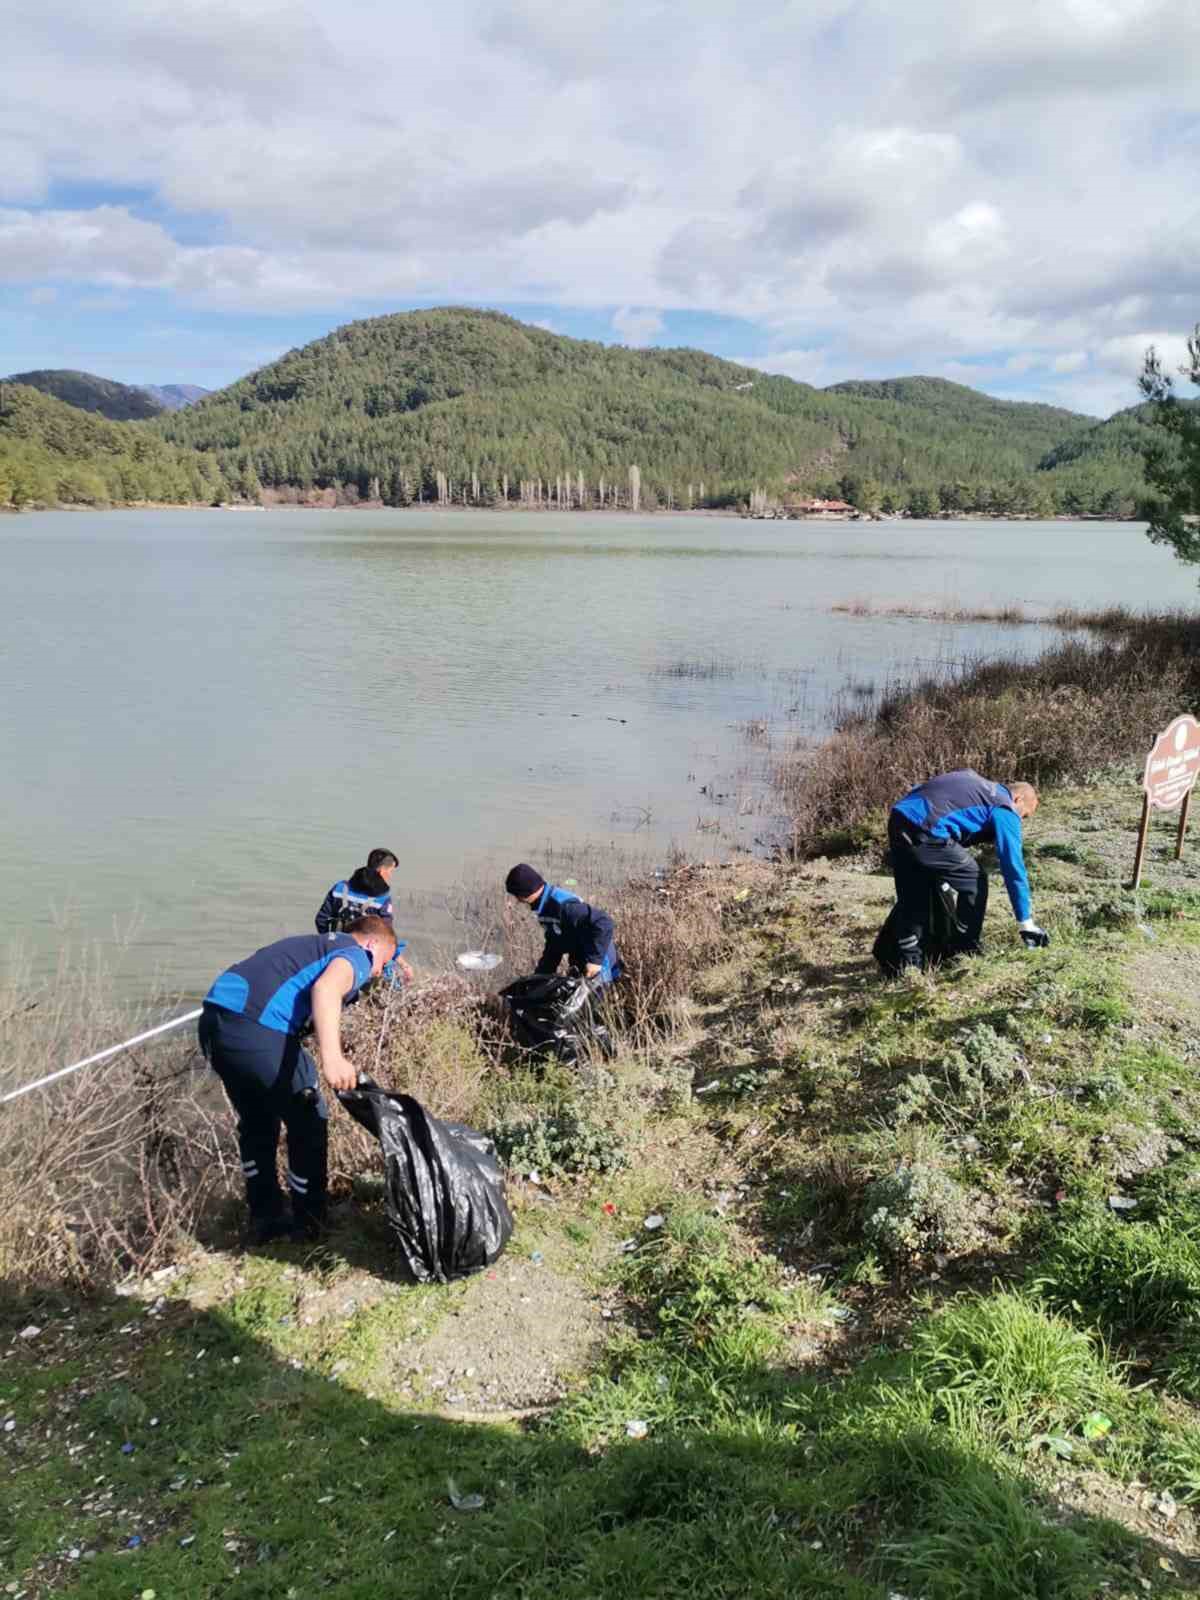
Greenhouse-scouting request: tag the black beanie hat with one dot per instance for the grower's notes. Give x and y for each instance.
(524, 880)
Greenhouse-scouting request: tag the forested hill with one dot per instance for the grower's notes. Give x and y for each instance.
(51, 452)
(119, 402)
(467, 404)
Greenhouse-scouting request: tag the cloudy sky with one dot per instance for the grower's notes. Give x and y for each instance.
(1004, 192)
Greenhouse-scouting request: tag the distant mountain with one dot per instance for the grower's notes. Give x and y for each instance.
(174, 396)
(119, 402)
(468, 405)
(52, 453)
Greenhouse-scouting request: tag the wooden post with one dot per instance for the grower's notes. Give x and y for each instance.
(1143, 830)
(1183, 822)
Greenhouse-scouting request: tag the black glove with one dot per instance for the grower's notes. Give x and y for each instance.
(1033, 937)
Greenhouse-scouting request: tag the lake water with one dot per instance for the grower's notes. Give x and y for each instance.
(208, 717)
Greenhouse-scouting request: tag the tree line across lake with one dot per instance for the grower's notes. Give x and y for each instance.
(472, 407)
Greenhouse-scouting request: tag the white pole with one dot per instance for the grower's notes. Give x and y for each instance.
(103, 1055)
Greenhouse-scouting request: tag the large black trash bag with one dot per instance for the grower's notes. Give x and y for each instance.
(556, 1016)
(444, 1188)
(943, 936)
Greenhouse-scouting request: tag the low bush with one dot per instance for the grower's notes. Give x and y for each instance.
(567, 1140)
(914, 1211)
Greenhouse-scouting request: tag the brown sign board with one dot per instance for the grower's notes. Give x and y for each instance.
(1173, 765)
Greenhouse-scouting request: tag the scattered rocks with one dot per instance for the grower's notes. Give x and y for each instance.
(1142, 1150)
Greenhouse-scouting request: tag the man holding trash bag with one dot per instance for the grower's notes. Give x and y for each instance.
(928, 831)
(250, 1028)
(582, 933)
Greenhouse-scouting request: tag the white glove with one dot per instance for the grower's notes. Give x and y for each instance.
(1032, 937)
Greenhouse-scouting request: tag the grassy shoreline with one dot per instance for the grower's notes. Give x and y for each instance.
(891, 1337)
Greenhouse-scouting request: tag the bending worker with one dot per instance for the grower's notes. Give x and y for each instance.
(367, 892)
(928, 831)
(250, 1029)
(582, 933)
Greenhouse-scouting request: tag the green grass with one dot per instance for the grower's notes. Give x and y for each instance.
(1008, 1362)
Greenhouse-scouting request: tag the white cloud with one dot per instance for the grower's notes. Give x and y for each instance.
(632, 326)
(806, 366)
(879, 187)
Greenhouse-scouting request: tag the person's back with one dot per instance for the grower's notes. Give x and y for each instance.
(365, 893)
(273, 987)
(573, 928)
(959, 805)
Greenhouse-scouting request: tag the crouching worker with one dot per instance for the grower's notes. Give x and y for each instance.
(928, 831)
(250, 1028)
(367, 892)
(582, 933)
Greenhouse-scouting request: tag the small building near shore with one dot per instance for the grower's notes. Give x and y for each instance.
(822, 508)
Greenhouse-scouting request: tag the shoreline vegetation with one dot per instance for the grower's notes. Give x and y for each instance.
(829, 1285)
(1112, 619)
(742, 513)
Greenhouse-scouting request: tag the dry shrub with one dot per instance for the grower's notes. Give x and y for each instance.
(1060, 718)
(107, 1171)
(428, 1041)
(668, 928)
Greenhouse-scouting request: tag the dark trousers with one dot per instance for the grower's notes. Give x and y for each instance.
(920, 865)
(271, 1081)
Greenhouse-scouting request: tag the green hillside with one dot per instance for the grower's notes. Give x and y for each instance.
(52, 453)
(119, 402)
(384, 408)
(475, 407)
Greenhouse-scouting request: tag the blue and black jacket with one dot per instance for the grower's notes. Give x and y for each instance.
(968, 809)
(364, 894)
(273, 987)
(582, 933)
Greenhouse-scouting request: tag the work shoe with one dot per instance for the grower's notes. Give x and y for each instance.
(307, 1230)
(264, 1230)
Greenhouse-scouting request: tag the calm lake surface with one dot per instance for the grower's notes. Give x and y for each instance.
(208, 717)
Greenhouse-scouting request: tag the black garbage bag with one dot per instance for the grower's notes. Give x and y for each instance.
(443, 1186)
(943, 935)
(556, 1016)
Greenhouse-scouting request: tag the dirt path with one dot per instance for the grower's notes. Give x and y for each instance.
(514, 1341)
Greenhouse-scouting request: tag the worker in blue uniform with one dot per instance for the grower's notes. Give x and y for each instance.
(928, 834)
(250, 1031)
(367, 892)
(582, 933)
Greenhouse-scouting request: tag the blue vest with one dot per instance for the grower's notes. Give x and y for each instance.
(274, 985)
(547, 909)
(351, 904)
(957, 805)
(582, 936)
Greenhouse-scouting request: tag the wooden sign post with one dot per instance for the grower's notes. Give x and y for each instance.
(1172, 768)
